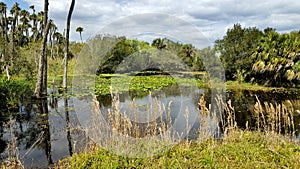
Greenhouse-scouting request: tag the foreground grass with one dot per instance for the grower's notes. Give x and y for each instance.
(238, 149)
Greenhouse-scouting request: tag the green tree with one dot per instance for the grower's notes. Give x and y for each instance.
(119, 52)
(235, 49)
(277, 59)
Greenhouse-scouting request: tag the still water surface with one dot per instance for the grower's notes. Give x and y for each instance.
(42, 134)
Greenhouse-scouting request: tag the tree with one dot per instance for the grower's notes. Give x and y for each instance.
(67, 44)
(15, 13)
(236, 48)
(34, 28)
(4, 42)
(187, 54)
(24, 28)
(80, 30)
(4, 24)
(41, 83)
(277, 59)
(159, 43)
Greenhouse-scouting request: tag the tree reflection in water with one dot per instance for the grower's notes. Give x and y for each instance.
(44, 127)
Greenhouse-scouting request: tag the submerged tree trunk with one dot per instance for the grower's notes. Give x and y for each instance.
(67, 45)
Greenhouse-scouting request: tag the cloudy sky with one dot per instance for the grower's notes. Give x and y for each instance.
(210, 17)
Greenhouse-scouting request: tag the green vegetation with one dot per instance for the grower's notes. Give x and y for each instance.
(252, 59)
(266, 58)
(239, 148)
(145, 84)
(12, 92)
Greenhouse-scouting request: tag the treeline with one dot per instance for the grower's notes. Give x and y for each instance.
(162, 53)
(248, 54)
(262, 57)
(21, 33)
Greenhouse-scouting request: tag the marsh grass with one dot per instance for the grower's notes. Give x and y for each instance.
(275, 118)
(125, 134)
(269, 146)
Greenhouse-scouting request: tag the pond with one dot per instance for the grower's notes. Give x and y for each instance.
(52, 129)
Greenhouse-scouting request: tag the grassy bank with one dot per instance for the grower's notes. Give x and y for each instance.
(260, 148)
(238, 149)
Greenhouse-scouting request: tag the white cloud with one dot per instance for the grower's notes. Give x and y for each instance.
(210, 17)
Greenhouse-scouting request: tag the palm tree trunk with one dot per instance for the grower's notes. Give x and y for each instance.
(81, 37)
(5, 27)
(67, 44)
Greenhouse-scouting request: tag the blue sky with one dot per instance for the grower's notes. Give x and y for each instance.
(23, 4)
(211, 17)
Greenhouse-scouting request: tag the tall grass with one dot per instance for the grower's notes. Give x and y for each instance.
(125, 133)
(275, 118)
(267, 147)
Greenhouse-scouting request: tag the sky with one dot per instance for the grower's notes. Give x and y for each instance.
(169, 18)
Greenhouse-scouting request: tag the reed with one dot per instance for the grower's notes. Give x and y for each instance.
(275, 118)
(252, 149)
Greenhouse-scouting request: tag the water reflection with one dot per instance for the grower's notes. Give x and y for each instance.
(44, 127)
(48, 130)
(42, 131)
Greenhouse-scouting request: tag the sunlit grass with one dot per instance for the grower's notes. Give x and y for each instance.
(238, 149)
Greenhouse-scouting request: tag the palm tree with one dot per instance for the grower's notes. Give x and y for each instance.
(24, 27)
(40, 20)
(159, 43)
(15, 14)
(3, 20)
(34, 28)
(4, 33)
(276, 57)
(80, 30)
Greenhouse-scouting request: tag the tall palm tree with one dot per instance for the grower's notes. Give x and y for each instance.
(15, 14)
(4, 27)
(3, 20)
(34, 28)
(80, 30)
(24, 27)
(40, 20)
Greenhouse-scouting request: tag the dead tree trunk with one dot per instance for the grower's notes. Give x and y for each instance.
(67, 45)
(41, 83)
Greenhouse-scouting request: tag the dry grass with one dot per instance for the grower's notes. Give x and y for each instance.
(128, 138)
(275, 118)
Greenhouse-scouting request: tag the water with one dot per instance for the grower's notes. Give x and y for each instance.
(41, 127)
